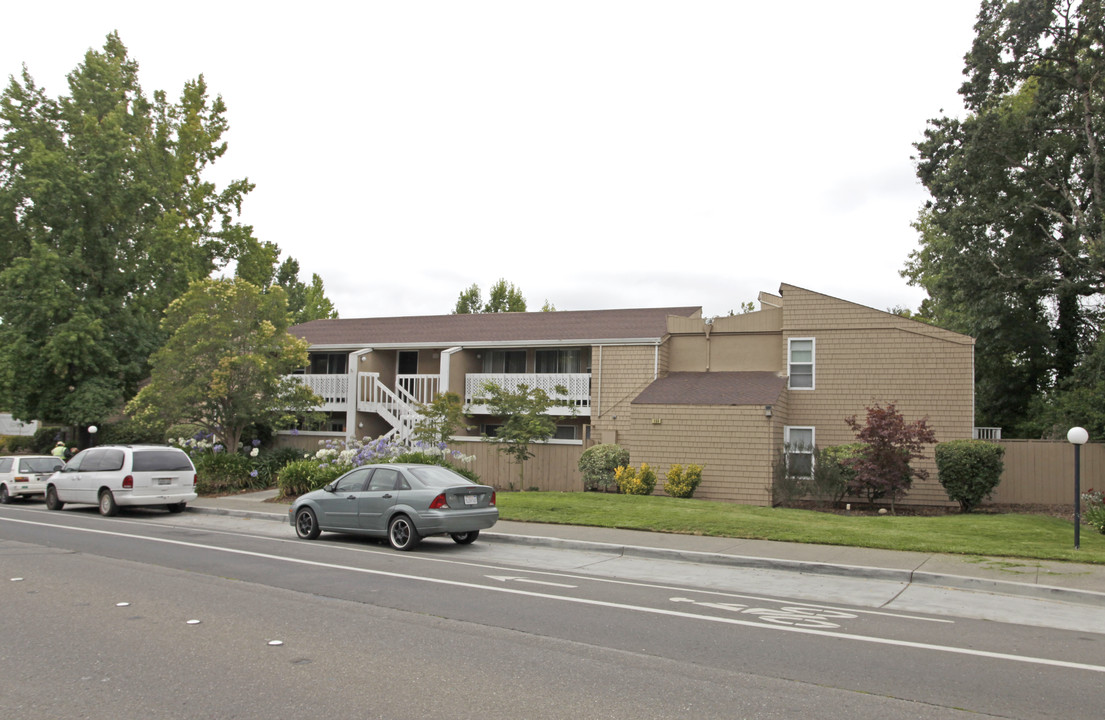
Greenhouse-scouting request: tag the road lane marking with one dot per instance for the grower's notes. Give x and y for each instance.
(600, 603)
(507, 578)
(547, 573)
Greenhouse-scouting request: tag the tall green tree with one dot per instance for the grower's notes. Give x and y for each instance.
(227, 364)
(105, 218)
(1012, 243)
(305, 302)
(504, 297)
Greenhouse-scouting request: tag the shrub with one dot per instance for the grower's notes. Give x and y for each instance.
(21, 444)
(598, 464)
(969, 470)
(296, 478)
(832, 472)
(45, 439)
(682, 483)
(221, 472)
(633, 482)
(1093, 512)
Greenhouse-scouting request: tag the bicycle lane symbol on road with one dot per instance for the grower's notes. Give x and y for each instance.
(809, 617)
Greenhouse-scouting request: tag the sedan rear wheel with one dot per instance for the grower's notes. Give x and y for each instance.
(402, 534)
(306, 524)
(5, 498)
(108, 506)
(52, 502)
(466, 538)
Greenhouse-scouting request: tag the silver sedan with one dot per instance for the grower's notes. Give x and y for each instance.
(403, 503)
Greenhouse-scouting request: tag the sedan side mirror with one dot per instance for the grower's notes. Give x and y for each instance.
(330, 488)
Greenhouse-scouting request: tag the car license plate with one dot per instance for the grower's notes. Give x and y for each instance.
(471, 499)
(164, 481)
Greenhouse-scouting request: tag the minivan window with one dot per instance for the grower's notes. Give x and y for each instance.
(105, 460)
(161, 460)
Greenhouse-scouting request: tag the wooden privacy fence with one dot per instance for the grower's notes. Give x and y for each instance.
(1042, 472)
(553, 466)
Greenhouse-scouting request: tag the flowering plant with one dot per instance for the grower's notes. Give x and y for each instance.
(1093, 502)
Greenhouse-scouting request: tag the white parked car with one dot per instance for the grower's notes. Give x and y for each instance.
(24, 475)
(124, 475)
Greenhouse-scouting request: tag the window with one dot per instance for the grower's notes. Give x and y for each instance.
(329, 363)
(567, 360)
(384, 479)
(800, 355)
(504, 361)
(798, 447)
(6, 465)
(565, 432)
(353, 481)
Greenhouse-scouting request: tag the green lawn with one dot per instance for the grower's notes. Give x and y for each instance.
(1009, 535)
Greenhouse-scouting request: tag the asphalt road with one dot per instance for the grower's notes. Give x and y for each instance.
(96, 618)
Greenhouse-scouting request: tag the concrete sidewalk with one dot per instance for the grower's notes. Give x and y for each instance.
(1062, 581)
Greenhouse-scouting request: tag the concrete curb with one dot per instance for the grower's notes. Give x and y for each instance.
(959, 582)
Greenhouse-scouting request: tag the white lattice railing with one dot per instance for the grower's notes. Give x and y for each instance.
(987, 433)
(578, 386)
(333, 389)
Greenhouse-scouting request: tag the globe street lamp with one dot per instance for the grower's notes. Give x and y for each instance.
(92, 429)
(1077, 436)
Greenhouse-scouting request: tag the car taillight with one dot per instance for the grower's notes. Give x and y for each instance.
(439, 502)
(195, 479)
(492, 497)
(128, 482)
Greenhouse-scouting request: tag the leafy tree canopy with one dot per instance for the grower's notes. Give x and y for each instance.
(504, 297)
(1012, 242)
(226, 364)
(105, 218)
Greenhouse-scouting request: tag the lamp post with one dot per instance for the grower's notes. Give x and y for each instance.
(92, 429)
(1077, 436)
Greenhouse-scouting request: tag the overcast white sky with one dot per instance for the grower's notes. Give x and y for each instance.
(595, 153)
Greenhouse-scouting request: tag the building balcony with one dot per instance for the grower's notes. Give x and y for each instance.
(576, 401)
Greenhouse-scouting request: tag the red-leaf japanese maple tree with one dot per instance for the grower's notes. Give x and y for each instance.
(883, 469)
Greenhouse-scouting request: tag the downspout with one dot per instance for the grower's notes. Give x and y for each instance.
(598, 396)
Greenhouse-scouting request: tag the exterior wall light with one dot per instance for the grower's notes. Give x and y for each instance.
(767, 411)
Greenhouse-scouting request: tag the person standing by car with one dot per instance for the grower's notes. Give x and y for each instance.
(59, 451)
(70, 453)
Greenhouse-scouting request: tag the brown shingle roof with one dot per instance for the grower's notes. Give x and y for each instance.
(447, 330)
(714, 388)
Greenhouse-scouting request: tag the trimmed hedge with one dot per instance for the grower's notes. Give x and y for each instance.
(969, 470)
(598, 464)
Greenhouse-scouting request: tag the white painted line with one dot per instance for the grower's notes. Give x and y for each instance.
(506, 578)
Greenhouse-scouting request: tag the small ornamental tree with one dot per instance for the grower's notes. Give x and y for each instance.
(883, 469)
(524, 420)
(441, 419)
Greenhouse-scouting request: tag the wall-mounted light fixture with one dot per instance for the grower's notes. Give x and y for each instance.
(767, 411)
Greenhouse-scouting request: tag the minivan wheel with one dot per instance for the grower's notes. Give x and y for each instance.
(52, 502)
(108, 506)
(306, 525)
(401, 533)
(175, 507)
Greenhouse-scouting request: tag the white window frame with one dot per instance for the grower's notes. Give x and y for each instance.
(812, 362)
(788, 450)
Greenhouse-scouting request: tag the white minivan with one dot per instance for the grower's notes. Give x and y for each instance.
(124, 475)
